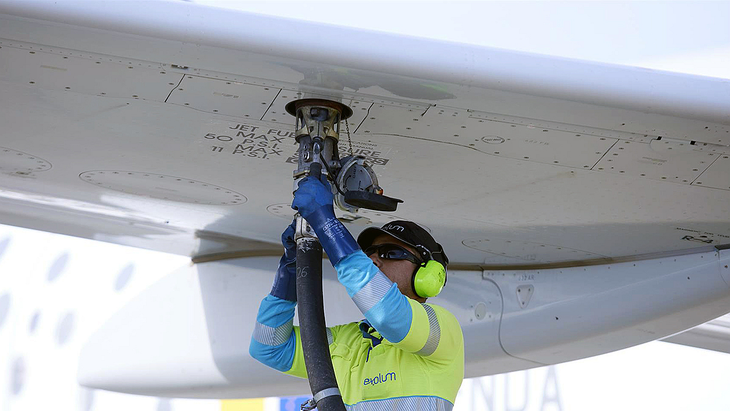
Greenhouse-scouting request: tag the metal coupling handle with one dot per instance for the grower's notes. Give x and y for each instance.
(302, 229)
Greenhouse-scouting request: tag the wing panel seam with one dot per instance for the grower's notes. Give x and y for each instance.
(604, 154)
(270, 105)
(176, 86)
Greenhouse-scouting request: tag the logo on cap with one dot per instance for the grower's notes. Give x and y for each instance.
(394, 227)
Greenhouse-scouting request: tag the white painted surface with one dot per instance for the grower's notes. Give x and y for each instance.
(633, 379)
(187, 335)
(663, 35)
(575, 172)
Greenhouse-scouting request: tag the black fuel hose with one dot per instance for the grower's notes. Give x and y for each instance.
(310, 305)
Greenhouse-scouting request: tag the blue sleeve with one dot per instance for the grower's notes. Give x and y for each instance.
(378, 298)
(273, 341)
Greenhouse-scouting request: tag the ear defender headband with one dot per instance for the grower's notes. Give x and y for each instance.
(430, 276)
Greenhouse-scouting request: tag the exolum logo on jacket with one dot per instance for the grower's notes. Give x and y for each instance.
(380, 378)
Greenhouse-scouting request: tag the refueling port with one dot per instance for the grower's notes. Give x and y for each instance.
(317, 132)
(354, 183)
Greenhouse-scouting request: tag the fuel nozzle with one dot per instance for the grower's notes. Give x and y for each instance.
(355, 184)
(317, 132)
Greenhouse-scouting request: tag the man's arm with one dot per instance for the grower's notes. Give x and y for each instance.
(274, 341)
(427, 330)
(424, 329)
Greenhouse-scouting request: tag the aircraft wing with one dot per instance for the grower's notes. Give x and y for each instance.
(162, 126)
(713, 335)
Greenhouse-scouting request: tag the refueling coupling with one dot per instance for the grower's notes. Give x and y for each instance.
(353, 181)
(354, 185)
(317, 133)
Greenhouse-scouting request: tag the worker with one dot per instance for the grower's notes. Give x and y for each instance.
(406, 354)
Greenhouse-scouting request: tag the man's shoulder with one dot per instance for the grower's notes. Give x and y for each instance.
(349, 329)
(353, 325)
(445, 316)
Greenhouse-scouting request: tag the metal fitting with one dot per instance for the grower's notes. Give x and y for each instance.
(303, 229)
(317, 132)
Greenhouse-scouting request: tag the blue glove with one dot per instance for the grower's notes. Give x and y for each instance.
(285, 284)
(312, 195)
(313, 200)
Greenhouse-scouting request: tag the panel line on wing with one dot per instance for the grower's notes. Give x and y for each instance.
(175, 87)
(434, 141)
(565, 127)
(269, 107)
(427, 108)
(367, 114)
(501, 318)
(705, 170)
(604, 154)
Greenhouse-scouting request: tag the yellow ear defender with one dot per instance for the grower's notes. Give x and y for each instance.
(430, 277)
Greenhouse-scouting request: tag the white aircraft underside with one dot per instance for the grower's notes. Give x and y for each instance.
(585, 207)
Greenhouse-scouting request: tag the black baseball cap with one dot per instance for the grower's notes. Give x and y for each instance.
(407, 232)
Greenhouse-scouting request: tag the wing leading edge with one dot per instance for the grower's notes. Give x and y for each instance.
(166, 133)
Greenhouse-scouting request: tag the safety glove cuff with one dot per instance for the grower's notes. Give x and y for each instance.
(285, 284)
(336, 241)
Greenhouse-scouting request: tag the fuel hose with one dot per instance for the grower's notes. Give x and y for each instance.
(310, 305)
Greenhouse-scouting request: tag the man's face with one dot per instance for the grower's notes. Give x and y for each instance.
(398, 271)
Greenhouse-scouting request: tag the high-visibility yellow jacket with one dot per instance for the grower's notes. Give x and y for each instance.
(405, 355)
